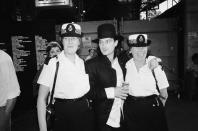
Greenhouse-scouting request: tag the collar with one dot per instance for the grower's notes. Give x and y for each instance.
(62, 56)
(105, 60)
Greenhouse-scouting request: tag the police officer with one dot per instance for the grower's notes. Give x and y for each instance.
(143, 109)
(72, 112)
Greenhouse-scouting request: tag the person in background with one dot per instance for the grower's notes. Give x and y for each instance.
(194, 65)
(92, 54)
(106, 77)
(9, 90)
(52, 50)
(72, 108)
(191, 79)
(144, 106)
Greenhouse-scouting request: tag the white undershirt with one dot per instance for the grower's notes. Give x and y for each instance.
(115, 114)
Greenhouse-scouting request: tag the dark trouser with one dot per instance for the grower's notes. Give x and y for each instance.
(101, 125)
(5, 123)
(144, 114)
(73, 116)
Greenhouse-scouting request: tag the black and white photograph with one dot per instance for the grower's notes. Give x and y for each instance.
(98, 65)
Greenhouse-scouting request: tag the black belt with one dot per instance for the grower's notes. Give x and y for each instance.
(141, 98)
(70, 100)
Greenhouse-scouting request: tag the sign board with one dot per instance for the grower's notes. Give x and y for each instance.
(45, 3)
(23, 52)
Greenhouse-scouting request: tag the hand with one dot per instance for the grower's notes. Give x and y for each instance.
(153, 63)
(163, 101)
(163, 96)
(122, 92)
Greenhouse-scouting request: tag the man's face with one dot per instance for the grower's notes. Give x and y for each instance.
(107, 45)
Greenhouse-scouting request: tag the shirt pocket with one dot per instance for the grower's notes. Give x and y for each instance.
(148, 77)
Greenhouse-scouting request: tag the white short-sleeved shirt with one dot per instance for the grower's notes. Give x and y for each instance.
(72, 81)
(9, 86)
(143, 83)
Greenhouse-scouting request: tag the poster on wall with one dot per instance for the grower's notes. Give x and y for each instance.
(40, 45)
(22, 52)
(44, 33)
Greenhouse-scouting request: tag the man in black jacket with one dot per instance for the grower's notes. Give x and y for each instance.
(106, 78)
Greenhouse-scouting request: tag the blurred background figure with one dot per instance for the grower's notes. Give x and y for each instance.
(52, 50)
(9, 90)
(194, 66)
(92, 54)
(191, 79)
